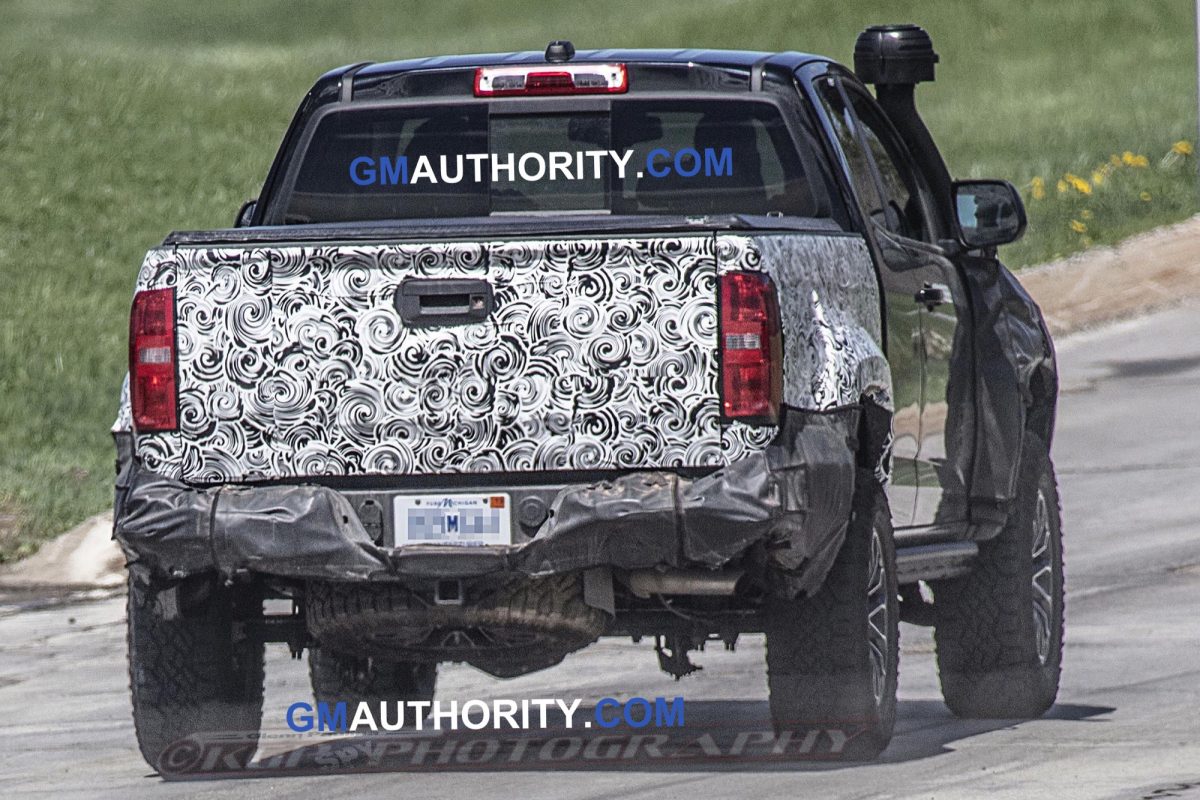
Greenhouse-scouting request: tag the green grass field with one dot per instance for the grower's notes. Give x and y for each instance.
(120, 121)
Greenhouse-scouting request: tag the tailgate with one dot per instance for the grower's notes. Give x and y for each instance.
(596, 353)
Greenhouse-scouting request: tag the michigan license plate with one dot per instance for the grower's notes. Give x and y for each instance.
(462, 519)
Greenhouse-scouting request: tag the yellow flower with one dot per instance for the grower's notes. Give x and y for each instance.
(1037, 188)
(1131, 160)
(1183, 148)
(1146, 197)
(1061, 186)
(1078, 226)
(1086, 213)
(1078, 184)
(1098, 177)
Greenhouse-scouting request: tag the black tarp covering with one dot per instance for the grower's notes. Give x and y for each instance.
(1003, 382)
(1016, 380)
(303, 531)
(794, 496)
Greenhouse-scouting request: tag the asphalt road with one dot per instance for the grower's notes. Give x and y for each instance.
(1128, 455)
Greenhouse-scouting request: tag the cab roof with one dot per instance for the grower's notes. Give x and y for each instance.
(736, 59)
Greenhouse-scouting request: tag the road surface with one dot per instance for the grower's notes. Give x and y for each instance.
(1126, 725)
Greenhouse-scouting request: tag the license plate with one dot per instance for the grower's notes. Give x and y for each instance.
(461, 519)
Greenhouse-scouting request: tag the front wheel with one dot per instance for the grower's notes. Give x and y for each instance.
(833, 658)
(999, 629)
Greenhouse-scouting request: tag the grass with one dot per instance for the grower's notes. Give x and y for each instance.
(120, 121)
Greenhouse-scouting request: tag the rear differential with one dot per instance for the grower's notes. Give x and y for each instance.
(522, 627)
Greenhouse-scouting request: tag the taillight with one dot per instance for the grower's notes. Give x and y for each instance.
(751, 348)
(152, 390)
(560, 79)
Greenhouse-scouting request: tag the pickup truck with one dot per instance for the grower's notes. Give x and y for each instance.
(519, 350)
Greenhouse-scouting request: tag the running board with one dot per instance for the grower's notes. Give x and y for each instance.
(929, 562)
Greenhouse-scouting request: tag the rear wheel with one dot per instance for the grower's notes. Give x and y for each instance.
(194, 673)
(999, 630)
(833, 658)
(337, 677)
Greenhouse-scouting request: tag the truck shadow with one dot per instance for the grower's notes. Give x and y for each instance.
(718, 736)
(926, 728)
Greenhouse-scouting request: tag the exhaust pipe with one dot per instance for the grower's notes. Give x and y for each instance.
(646, 582)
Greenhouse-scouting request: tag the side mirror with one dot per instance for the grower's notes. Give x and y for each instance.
(245, 214)
(990, 213)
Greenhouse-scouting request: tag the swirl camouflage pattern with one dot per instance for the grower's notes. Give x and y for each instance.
(830, 311)
(600, 353)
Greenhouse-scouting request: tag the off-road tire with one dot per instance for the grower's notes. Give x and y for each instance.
(987, 622)
(192, 675)
(820, 649)
(337, 677)
(528, 625)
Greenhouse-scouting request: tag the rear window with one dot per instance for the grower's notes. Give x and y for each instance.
(470, 160)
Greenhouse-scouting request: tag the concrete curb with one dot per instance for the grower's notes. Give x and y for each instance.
(85, 557)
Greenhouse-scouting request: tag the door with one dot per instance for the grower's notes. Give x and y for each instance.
(922, 295)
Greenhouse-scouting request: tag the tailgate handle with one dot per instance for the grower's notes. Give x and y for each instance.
(443, 301)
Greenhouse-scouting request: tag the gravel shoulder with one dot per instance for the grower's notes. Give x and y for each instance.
(1157, 269)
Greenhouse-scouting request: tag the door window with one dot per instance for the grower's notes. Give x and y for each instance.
(890, 190)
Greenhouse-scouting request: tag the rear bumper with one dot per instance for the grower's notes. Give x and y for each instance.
(793, 497)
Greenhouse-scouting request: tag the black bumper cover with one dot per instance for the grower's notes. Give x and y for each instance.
(794, 497)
